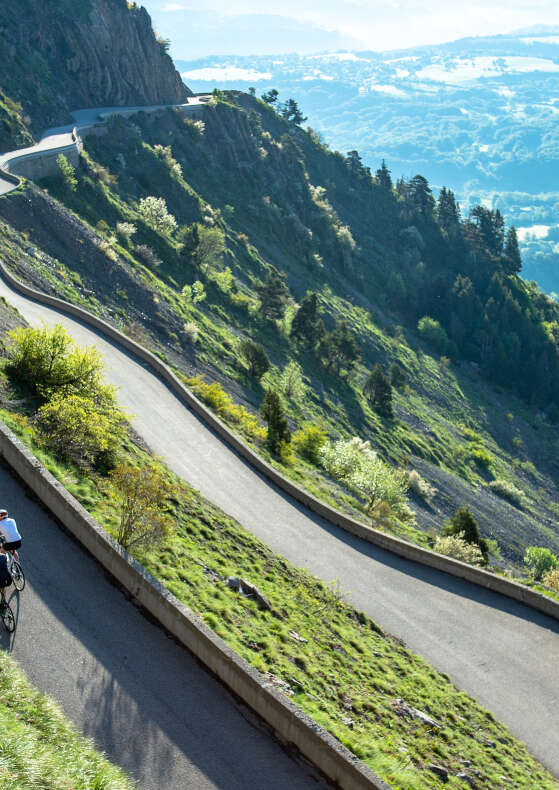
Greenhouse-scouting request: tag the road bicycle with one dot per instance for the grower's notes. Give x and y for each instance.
(18, 576)
(7, 617)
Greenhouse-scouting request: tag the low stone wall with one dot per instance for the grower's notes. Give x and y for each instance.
(42, 164)
(395, 545)
(290, 722)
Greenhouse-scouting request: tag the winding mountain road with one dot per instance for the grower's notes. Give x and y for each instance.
(503, 653)
(60, 139)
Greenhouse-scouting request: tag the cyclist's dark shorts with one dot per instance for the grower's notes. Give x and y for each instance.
(16, 544)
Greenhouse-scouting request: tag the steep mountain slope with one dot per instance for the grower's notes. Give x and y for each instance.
(379, 259)
(68, 56)
(478, 115)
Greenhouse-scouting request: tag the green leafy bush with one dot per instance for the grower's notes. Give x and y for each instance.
(79, 430)
(214, 396)
(308, 441)
(433, 333)
(540, 561)
(48, 362)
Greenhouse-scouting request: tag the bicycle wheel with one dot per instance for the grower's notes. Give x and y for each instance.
(18, 577)
(8, 618)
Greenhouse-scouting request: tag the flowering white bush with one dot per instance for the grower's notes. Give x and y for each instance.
(420, 486)
(456, 547)
(153, 210)
(355, 463)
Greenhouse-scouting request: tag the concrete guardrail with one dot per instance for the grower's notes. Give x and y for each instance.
(402, 548)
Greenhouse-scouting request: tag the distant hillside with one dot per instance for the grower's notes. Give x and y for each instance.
(251, 195)
(65, 55)
(478, 115)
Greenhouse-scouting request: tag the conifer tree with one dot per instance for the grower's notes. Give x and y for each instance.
(307, 327)
(338, 349)
(383, 177)
(378, 390)
(273, 293)
(277, 433)
(512, 262)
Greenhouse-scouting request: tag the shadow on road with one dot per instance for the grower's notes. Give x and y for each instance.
(143, 699)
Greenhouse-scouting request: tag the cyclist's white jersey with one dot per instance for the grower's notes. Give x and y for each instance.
(8, 529)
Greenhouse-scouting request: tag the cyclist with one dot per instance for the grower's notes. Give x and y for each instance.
(8, 529)
(5, 575)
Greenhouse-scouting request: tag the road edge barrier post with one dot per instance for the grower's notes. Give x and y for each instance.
(401, 548)
(285, 718)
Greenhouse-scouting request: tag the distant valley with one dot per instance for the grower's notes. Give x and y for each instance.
(478, 115)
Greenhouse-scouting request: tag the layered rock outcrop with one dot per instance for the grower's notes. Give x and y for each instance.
(60, 55)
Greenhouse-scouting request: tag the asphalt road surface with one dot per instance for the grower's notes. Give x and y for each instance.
(143, 699)
(501, 652)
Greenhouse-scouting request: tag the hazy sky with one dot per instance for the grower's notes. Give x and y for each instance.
(254, 27)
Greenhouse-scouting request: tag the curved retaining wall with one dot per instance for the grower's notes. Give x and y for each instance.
(318, 746)
(395, 545)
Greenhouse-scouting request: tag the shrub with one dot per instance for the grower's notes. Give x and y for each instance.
(198, 292)
(508, 491)
(464, 524)
(67, 172)
(355, 463)
(141, 495)
(224, 280)
(459, 549)
(222, 403)
(540, 561)
(78, 430)
(192, 331)
(48, 362)
(420, 487)
(551, 579)
(481, 457)
(147, 255)
(433, 333)
(125, 230)
(291, 381)
(256, 358)
(154, 212)
(308, 441)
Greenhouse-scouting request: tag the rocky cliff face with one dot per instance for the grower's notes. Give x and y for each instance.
(60, 55)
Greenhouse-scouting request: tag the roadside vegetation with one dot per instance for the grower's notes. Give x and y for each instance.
(387, 705)
(39, 748)
(238, 306)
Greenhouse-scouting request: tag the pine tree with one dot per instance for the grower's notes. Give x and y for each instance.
(255, 357)
(273, 293)
(338, 349)
(398, 376)
(271, 410)
(307, 327)
(464, 522)
(512, 263)
(383, 177)
(378, 390)
(448, 211)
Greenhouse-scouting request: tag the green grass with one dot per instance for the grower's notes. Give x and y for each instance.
(39, 748)
(438, 399)
(337, 663)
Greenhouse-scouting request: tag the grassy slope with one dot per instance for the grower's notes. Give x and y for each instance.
(334, 661)
(433, 410)
(39, 748)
